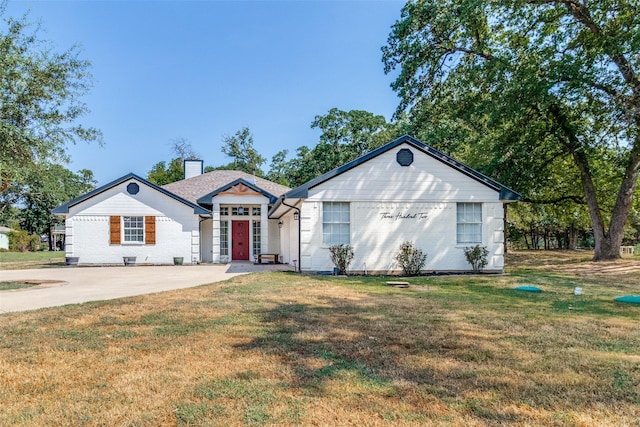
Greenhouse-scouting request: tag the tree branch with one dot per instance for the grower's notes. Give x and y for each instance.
(484, 55)
(576, 199)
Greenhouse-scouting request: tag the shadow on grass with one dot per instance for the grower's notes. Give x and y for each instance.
(487, 352)
(338, 348)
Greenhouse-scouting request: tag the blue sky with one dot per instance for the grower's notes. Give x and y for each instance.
(203, 70)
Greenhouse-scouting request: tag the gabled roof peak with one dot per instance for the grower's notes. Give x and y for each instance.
(505, 193)
(64, 208)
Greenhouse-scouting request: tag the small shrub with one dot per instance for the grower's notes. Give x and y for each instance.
(411, 259)
(341, 256)
(477, 257)
(21, 241)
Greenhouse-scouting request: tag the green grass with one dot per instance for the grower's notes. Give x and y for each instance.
(5, 286)
(283, 349)
(20, 260)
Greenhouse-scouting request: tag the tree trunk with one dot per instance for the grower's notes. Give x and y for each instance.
(607, 240)
(504, 227)
(572, 238)
(50, 239)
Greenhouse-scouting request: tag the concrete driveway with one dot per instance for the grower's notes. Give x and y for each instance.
(81, 284)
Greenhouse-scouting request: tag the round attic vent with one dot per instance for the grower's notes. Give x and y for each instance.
(133, 188)
(404, 157)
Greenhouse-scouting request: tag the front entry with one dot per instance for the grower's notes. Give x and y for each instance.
(240, 240)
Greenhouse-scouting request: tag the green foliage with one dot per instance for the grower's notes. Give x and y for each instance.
(345, 136)
(160, 174)
(279, 169)
(243, 155)
(29, 202)
(341, 256)
(542, 96)
(411, 259)
(22, 241)
(351, 133)
(477, 257)
(40, 99)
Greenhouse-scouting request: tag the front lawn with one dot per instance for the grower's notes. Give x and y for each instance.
(20, 260)
(281, 349)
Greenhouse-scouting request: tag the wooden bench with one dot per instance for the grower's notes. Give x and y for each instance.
(626, 250)
(268, 257)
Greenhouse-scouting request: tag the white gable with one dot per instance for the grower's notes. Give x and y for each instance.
(118, 201)
(382, 178)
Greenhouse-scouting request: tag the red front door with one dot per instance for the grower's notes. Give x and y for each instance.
(240, 240)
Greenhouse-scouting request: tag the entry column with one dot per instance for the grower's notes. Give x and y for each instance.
(215, 233)
(264, 228)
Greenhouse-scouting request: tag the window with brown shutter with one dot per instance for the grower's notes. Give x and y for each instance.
(114, 230)
(149, 230)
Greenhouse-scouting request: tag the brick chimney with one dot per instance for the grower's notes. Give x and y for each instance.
(193, 167)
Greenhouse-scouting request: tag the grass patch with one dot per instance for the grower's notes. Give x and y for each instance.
(7, 286)
(287, 350)
(21, 260)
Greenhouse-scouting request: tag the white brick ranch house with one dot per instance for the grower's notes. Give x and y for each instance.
(402, 191)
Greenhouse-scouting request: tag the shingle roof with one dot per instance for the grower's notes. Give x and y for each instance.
(198, 186)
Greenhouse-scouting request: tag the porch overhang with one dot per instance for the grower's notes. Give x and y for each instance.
(283, 206)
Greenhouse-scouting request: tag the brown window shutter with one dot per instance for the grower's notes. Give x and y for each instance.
(149, 230)
(114, 230)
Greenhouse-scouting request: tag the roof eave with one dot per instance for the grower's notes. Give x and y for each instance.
(206, 199)
(64, 208)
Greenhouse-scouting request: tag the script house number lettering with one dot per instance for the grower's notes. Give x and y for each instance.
(398, 216)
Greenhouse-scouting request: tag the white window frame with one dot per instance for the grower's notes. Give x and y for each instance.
(256, 233)
(240, 211)
(468, 223)
(224, 238)
(133, 229)
(336, 223)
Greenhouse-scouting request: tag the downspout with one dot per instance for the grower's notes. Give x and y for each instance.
(299, 238)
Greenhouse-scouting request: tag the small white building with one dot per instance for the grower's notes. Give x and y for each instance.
(4, 238)
(403, 191)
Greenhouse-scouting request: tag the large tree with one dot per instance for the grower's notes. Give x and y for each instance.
(40, 191)
(40, 100)
(162, 174)
(244, 157)
(345, 136)
(537, 84)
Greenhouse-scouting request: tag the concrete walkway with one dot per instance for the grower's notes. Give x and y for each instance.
(74, 285)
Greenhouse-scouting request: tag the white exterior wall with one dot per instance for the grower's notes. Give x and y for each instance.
(206, 241)
(273, 244)
(288, 240)
(426, 192)
(88, 235)
(4, 241)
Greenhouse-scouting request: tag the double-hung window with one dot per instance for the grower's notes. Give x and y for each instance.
(469, 223)
(336, 223)
(133, 227)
